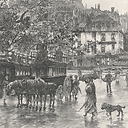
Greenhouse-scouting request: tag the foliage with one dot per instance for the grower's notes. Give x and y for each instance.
(11, 28)
(28, 22)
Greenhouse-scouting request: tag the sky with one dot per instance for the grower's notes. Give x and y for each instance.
(120, 5)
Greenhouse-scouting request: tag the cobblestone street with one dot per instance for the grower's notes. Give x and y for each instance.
(66, 115)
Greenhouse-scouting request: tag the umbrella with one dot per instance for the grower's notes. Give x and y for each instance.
(90, 76)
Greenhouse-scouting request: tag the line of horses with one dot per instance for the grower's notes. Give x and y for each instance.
(36, 91)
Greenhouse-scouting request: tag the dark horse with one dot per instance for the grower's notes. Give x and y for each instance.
(33, 90)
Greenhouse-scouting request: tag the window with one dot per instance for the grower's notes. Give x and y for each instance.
(103, 61)
(79, 62)
(113, 46)
(103, 37)
(113, 36)
(50, 71)
(108, 61)
(103, 48)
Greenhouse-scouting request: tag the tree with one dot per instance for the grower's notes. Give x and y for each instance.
(23, 26)
(11, 28)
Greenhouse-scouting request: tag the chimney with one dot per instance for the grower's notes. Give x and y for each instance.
(99, 6)
(112, 9)
(95, 6)
(85, 6)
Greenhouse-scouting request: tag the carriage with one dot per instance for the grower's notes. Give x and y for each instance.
(51, 67)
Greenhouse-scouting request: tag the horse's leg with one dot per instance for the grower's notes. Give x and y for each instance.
(33, 101)
(70, 96)
(37, 98)
(45, 98)
(27, 98)
(53, 101)
(18, 100)
(50, 101)
(21, 100)
(30, 101)
(40, 103)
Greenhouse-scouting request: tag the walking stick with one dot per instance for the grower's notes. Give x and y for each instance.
(81, 107)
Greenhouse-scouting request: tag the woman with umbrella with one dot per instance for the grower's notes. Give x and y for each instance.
(90, 100)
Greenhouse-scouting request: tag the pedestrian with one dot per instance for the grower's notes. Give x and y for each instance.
(117, 76)
(67, 87)
(108, 79)
(126, 78)
(76, 87)
(90, 101)
(4, 84)
(79, 74)
(59, 93)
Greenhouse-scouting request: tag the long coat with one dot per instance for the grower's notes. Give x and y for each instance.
(127, 78)
(67, 86)
(90, 101)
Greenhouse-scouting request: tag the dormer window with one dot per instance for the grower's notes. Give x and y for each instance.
(103, 37)
(113, 36)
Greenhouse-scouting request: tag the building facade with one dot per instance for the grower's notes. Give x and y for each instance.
(103, 41)
(102, 37)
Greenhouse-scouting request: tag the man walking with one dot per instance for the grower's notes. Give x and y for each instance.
(108, 80)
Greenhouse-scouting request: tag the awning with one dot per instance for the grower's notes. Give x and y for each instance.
(107, 42)
(100, 55)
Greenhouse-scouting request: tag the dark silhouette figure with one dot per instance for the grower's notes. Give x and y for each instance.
(108, 79)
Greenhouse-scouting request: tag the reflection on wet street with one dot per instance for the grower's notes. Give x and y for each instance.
(66, 115)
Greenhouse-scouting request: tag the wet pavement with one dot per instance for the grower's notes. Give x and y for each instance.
(66, 115)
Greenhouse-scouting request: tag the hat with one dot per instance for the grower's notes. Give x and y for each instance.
(90, 76)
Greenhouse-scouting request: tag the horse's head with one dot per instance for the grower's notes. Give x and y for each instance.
(10, 89)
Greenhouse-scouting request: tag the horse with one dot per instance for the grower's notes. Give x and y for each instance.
(51, 90)
(16, 86)
(29, 88)
(34, 90)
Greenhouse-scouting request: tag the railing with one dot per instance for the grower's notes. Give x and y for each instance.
(56, 58)
(29, 59)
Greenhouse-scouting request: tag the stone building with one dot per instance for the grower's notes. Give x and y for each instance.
(103, 36)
